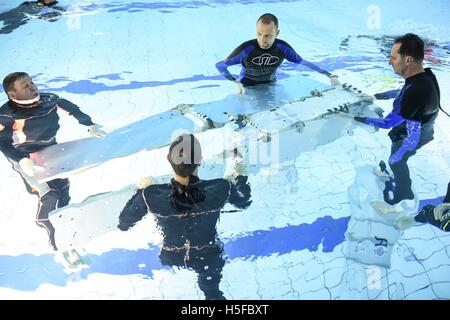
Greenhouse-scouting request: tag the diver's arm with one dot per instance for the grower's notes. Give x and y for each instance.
(413, 129)
(134, 211)
(391, 94)
(236, 57)
(75, 111)
(6, 141)
(390, 121)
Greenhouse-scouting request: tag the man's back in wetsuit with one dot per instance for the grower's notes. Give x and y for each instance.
(187, 217)
(200, 200)
(187, 211)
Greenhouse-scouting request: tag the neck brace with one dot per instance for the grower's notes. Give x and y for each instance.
(26, 102)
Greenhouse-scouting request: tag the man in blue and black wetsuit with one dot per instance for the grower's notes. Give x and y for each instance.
(412, 118)
(261, 57)
(187, 210)
(20, 15)
(28, 123)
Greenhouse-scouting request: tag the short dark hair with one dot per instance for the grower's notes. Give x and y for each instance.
(8, 81)
(44, 3)
(185, 154)
(411, 45)
(268, 18)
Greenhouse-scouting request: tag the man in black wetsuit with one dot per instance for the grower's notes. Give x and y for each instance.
(187, 210)
(412, 119)
(19, 16)
(28, 123)
(261, 57)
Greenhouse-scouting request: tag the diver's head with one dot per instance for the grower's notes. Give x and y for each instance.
(46, 2)
(185, 155)
(266, 30)
(20, 88)
(407, 55)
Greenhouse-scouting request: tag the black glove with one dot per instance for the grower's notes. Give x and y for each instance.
(240, 195)
(360, 119)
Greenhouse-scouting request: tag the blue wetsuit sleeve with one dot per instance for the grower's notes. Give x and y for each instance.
(289, 53)
(413, 129)
(294, 57)
(134, 211)
(73, 110)
(6, 141)
(236, 57)
(391, 94)
(315, 67)
(223, 69)
(390, 121)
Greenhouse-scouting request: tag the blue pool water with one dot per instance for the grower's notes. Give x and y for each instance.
(122, 61)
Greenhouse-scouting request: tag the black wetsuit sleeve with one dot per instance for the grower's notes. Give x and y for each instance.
(240, 193)
(391, 94)
(6, 141)
(134, 211)
(73, 110)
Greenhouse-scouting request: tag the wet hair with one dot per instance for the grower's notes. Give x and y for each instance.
(411, 45)
(185, 155)
(46, 4)
(268, 18)
(8, 81)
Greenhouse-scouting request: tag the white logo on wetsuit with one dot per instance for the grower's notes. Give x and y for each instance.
(265, 60)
